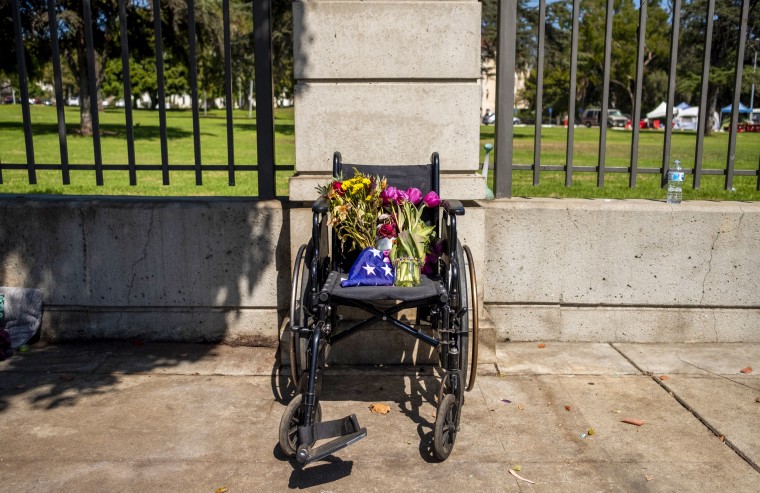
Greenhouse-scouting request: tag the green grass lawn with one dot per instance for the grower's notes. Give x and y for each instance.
(214, 151)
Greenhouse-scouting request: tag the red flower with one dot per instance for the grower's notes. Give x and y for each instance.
(386, 231)
(337, 186)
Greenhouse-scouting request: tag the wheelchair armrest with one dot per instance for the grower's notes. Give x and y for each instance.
(320, 206)
(453, 207)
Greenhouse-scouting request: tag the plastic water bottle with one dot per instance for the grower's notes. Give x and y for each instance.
(675, 183)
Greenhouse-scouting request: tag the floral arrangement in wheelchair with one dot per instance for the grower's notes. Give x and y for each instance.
(387, 225)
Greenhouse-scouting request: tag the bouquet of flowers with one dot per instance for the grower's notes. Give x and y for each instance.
(414, 236)
(355, 208)
(365, 212)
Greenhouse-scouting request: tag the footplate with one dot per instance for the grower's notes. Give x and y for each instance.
(347, 430)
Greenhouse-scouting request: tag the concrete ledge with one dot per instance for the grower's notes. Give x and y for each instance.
(379, 123)
(344, 40)
(624, 324)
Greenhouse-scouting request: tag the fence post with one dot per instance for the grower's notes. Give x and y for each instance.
(505, 98)
(262, 47)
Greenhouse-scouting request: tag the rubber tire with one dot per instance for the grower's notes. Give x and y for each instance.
(299, 341)
(464, 320)
(289, 426)
(445, 432)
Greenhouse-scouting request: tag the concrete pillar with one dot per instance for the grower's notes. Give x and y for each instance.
(388, 83)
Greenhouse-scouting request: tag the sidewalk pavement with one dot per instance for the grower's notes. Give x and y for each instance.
(200, 418)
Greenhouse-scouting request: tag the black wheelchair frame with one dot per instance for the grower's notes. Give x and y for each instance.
(446, 306)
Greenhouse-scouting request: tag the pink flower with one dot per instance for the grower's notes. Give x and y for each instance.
(432, 199)
(415, 195)
(389, 195)
(337, 187)
(402, 197)
(386, 231)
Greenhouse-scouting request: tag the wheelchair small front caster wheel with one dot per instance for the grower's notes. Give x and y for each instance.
(445, 431)
(289, 424)
(304, 454)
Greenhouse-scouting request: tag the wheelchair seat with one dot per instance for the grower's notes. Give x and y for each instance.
(446, 318)
(429, 288)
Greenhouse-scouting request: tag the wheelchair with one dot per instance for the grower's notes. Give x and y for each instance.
(446, 319)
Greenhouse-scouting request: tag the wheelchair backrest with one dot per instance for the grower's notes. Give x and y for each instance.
(425, 177)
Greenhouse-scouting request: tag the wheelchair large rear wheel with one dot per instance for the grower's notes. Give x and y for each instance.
(299, 314)
(469, 287)
(291, 420)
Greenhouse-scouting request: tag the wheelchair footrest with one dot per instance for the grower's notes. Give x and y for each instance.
(347, 430)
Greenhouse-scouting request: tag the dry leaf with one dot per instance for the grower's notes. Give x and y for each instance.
(722, 438)
(521, 406)
(747, 369)
(758, 399)
(517, 468)
(617, 411)
(541, 346)
(664, 377)
(513, 473)
(591, 431)
(635, 422)
(648, 477)
(380, 408)
(568, 408)
(222, 489)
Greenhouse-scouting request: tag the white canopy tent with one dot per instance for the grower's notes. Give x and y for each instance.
(688, 119)
(661, 111)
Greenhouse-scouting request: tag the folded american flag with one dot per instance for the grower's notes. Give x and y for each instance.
(372, 268)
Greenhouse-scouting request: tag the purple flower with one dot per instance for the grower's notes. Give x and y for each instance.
(430, 262)
(402, 197)
(415, 195)
(389, 195)
(431, 199)
(438, 248)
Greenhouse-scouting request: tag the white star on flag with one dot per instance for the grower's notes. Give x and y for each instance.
(376, 252)
(388, 271)
(370, 269)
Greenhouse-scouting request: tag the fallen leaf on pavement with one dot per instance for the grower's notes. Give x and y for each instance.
(541, 346)
(568, 408)
(648, 477)
(517, 468)
(591, 431)
(635, 422)
(747, 369)
(521, 406)
(380, 408)
(513, 473)
(664, 377)
(758, 399)
(222, 489)
(722, 438)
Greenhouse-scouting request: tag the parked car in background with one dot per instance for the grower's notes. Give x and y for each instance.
(8, 100)
(490, 119)
(72, 101)
(590, 118)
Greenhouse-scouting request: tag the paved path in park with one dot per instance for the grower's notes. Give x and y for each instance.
(201, 418)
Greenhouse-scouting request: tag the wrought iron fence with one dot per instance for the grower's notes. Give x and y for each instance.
(505, 102)
(262, 46)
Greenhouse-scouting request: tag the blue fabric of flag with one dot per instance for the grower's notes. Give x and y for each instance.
(372, 268)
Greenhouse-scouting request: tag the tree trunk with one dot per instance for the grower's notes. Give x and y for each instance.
(712, 101)
(85, 122)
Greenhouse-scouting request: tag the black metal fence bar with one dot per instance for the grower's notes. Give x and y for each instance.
(704, 117)
(605, 94)
(58, 88)
(539, 92)
(572, 95)
(126, 80)
(228, 91)
(93, 92)
(674, 32)
(23, 85)
(642, 34)
(147, 167)
(737, 91)
(161, 91)
(194, 91)
(262, 46)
